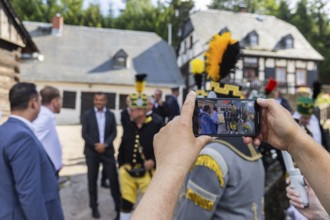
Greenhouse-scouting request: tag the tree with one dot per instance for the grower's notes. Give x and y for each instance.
(92, 16)
(72, 11)
(283, 11)
(29, 10)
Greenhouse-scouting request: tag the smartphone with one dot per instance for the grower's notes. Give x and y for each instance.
(226, 117)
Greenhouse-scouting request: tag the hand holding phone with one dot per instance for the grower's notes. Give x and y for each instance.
(226, 117)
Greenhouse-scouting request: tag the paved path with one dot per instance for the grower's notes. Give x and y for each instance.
(74, 194)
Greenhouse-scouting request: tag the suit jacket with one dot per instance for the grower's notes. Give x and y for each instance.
(90, 132)
(28, 184)
(172, 107)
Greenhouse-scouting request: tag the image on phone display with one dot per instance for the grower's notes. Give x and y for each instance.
(226, 117)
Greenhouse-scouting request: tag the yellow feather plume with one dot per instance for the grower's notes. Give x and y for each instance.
(214, 55)
(197, 66)
(139, 86)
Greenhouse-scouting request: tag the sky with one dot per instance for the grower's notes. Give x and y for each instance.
(118, 4)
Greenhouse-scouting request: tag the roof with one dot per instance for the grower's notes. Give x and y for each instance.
(269, 29)
(29, 46)
(85, 55)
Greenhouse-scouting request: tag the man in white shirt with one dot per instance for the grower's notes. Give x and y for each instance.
(45, 125)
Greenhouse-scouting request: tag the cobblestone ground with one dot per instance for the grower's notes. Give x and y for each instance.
(74, 193)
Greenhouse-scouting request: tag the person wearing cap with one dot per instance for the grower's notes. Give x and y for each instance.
(306, 118)
(136, 157)
(227, 179)
(248, 126)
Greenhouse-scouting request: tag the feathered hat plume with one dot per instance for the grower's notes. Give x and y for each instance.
(197, 69)
(140, 82)
(139, 99)
(222, 56)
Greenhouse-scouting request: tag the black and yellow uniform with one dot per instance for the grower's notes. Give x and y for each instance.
(135, 148)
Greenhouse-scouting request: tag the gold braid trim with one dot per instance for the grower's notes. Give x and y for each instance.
(226, 89)
(199, 200)
(254, 154)
(201, 93)
(209, 162)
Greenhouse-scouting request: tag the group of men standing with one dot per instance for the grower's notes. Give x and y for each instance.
(141, 120)
(32, 154)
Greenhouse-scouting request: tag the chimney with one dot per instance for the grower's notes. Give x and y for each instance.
(243, 8)
(57, 26)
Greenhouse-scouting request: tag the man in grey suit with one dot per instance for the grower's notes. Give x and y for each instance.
(28, 184)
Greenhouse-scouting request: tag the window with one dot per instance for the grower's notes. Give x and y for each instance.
(288, 43)
(191, 41)
(250, 69)
(253, 39)
(301, 77)
(69, 99)
(281, 74)
(285, 42)
(111, 97)
(122, 101)
(120, 59)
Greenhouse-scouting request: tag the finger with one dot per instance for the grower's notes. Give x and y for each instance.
(263, 103)
(188, 106)
(203, 140)
(256, 142)
(288, 181)
(247, 140)
(297, 205)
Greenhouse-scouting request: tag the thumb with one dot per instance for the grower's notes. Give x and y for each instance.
(203, 140)
(264, 103)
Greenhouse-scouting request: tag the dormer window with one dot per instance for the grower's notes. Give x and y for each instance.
(253, 39)
(288, 41)
(120, 59)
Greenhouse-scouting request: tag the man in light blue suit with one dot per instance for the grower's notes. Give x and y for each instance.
(28, 184)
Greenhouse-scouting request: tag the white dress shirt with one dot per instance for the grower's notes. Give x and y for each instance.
(25, 121)
(100, 119)
(313, 126)
(45, 130)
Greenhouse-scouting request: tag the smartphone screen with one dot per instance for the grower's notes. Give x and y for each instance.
(226, 117)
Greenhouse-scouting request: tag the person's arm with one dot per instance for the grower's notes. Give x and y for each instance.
(24, 160)
(113, 130)
(314, 211)
(42, 126)
(121, 153)
(176, 148)
(279, 129)
(85, 131)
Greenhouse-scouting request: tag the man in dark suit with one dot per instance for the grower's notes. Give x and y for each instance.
(171, 105)
(99, 132)
(158, 106)
(28, 183)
